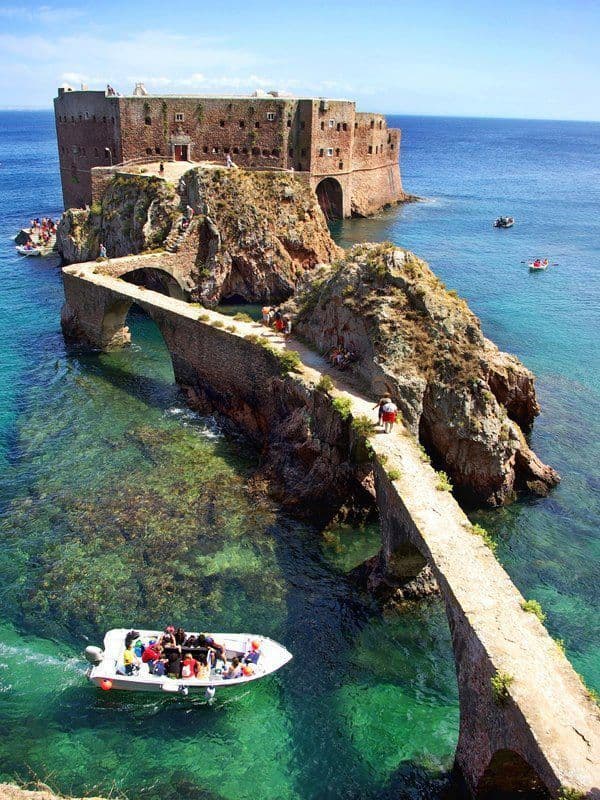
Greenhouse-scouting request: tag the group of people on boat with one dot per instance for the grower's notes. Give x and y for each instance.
(178, 655)
(273, 317)
(40, 232)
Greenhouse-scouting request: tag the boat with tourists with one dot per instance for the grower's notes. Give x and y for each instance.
(28, 250)
(179, 662)
(504, 222)
(538, 264)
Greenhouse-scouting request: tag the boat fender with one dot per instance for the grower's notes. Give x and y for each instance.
(169, 685)
(94, 654)
(106, 684)
(210, 692)
(184, 690)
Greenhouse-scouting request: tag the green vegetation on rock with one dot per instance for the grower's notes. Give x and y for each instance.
(343, 405)
(501, 683)
(533, 607)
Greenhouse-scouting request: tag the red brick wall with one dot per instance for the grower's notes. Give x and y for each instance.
(86, 123)
(332, 131)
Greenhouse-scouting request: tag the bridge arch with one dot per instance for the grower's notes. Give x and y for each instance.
(508, 776)
(331, 198)
(159, 280)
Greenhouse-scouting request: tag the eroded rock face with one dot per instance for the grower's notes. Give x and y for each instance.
(413, 339)
(136, 213)
(259, 233)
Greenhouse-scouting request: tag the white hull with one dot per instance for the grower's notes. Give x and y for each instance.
(23, 251)
(273, 656)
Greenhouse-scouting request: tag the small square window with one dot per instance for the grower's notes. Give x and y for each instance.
(221, 123)
(179, 117)
(341, 165)
(147, 121)
(345, 126)
(337, 151)
(242, 124)
(332, 123)
(321, 152)
(370, 149)
(271, 116)
(330, 151)
(322, 126)
(257, 124)
(205, 149)
(289, 123)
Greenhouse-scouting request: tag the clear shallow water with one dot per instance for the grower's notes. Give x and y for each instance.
(117, 504)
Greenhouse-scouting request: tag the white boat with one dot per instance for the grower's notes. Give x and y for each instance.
(28, 251)
(107, 665)
(504, 222)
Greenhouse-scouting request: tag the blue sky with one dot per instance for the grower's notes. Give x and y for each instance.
(504, 58)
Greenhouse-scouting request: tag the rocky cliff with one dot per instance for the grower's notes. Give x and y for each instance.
(253, 237)
(467, 401)
(136, 214)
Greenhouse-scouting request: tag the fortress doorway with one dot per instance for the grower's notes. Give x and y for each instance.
(331, 198)
(180, 152)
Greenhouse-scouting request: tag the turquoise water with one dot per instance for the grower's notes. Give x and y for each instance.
(119, 506)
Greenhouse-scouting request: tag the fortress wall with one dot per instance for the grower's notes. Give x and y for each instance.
(371, 189)
(86, 124)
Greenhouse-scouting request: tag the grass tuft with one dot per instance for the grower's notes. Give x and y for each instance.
(343, 405)
(325, 384)
(501, 682)
(533, 607)
(479, 530)
(443, 482)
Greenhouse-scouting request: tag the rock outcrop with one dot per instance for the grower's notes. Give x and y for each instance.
(466, 400)
(258, 234)
(253, 237)
(136, 214)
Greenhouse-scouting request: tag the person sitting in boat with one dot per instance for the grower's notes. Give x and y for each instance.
(180, 636)
(168, 637)
(234, 670)
(130, 661)
(203, 670)
(208, 641)
(253, 654)
(173, 666)
(189, 666)
(152, 653)
(160, 667)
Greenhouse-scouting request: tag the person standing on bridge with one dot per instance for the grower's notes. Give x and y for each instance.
(389, 413)
(102, 250)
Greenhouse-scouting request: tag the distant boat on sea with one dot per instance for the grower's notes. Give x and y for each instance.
(504, 222)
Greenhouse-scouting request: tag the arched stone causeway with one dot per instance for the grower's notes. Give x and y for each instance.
(158, 280)
(331, 198)
(545, 736)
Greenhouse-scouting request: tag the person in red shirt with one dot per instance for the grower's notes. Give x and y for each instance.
(151, 655)
(189, 667)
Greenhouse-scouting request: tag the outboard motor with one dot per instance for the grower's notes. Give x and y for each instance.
(94, 654)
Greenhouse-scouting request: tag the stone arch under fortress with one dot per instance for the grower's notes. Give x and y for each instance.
(331, 198)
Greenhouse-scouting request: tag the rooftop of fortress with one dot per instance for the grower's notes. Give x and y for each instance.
(271, 94)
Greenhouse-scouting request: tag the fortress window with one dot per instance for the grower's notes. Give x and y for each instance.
(225, 149)
(242, 124)
(331, 123)
(236, 150)
(322, 126)
(221, 123)
(339, 126)
(265, 152)
(244, 151)
(355, 125)
(291, 152)
(337, 151)
(330, 151)
(256, 151)
(215, 150)
(391, 146)
(103, 119)
(370, 149)
(380, 124)
(341, 165)
(275, 152)
(148, 151)
(321, 153)
(179, 117)
(157, 150)
(345, 126)
(205, 149)
(372, 123)
(271, 116)
(148, 121)
(257, 124)
(289, 123)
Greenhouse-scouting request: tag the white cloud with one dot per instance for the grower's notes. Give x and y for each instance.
(41, 15)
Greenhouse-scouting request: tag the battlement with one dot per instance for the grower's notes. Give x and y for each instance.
(352, 157)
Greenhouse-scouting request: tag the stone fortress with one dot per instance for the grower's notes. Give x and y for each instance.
(351, 159)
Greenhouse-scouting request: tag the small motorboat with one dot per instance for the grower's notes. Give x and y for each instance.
(504, 222)
(538, 264)
(23, 250)
(107, 665)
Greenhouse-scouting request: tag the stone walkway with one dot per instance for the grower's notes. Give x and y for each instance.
(558, 718)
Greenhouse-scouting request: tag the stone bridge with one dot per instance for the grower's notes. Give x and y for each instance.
(544, 739)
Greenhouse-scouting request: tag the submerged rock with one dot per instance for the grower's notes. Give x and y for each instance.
(412, 338)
